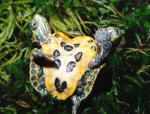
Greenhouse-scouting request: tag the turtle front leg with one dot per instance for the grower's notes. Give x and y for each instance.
(76, 103)
(105, 37)
(39, 53)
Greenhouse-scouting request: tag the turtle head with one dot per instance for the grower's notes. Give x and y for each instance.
(40, 29)
(114, 34)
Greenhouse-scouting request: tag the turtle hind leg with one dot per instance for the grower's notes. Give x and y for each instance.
(76, 103)
(84, 88)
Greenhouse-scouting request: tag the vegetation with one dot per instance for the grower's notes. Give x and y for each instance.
(123, 85)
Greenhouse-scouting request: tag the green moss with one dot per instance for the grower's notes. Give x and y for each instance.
(124, 83)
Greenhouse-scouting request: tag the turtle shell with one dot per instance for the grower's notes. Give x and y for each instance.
(70, 61)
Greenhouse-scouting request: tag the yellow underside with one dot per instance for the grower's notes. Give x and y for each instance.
(73, 77)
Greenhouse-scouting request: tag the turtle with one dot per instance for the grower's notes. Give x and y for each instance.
(64, 67)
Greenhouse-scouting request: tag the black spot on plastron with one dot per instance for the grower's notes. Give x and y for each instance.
(56, 53)
(93, 48)
(57, 82)
(90, 41)
(78, 56)
(35, 84)
(64, 85)
(60, 90)
(33, 78)
(62, 44)
(70, 66)
(76, 45)
(56, 35)
(57, 63)
(68, 47)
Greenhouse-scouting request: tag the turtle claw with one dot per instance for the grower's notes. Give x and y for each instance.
(37, 53)
(76, 104)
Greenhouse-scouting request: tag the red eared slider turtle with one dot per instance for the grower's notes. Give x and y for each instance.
(67, 67)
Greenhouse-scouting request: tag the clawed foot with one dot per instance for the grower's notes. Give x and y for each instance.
(39, 53)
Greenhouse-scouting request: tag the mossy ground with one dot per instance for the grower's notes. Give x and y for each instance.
(123, 85)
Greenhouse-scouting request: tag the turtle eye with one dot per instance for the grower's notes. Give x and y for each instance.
(34, 25)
